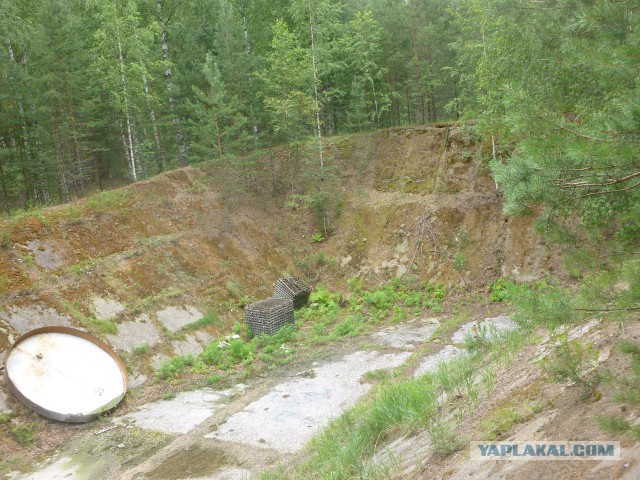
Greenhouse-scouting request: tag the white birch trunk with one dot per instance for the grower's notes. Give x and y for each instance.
(315, 90)
(129, 144)
(154, 123)
(127, 153)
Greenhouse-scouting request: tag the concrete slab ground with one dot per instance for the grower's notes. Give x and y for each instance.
(407, 335)
(174, 318)
(490, 325)
(181, 414)
(286, 417)
(188, 346)
(25, 319)
(430, 363)
(105, 308)
(46, 254)
(131, 334)
(67, 468)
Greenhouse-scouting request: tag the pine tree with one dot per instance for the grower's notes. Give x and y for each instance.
(364, 59)
(220, 128)
(558, 96)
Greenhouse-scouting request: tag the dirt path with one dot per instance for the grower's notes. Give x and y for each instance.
(236, 433)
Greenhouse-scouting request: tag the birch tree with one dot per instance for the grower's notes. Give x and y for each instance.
(121, 59)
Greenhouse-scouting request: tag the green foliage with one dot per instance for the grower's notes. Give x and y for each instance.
(108, 104)
(477, 339)
(83, 267)
(239, 351)
(500, 423)
(460, 261)
(573, 361)
(5, 240)
(498, 290)
(397, 299)
(23, 434)
(543, 304)
(619, 425)
(317, 237)
(398, 295)
(219, 127)
(174, 367)
(237, 328)
(343, 449)
(28, 260)
(627, 394)
(4, 418)
(322, 304)
(107, 200)
(554, 149)
(227, 354)
(141, 349)
(214, 379)
(104, 327)
(378, 375)
(289, 84)
(351, 326)
(212, 354)
(381, 299)
(445, 438)
(210, 318)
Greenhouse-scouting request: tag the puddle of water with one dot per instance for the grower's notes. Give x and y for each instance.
(191, 463)
(183, 413)
(285, 418)
(80, 467)
(407, 335)
(431, 362)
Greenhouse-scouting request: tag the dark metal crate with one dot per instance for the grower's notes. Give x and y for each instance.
(293, 289)
(270, 315)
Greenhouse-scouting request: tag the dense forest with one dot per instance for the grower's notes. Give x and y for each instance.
(96, 93)
(100, 92)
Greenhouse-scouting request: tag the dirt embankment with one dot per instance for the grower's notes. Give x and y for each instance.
(416, 200)
(139, 264)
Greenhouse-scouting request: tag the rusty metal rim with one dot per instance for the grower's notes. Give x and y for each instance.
(64, 417)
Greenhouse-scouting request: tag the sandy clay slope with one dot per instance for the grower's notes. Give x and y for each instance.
(152, 258)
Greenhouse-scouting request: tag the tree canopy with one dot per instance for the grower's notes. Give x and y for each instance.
(97, 93)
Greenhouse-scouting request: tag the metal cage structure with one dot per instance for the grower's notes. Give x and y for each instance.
(270, 315)
(294, 289)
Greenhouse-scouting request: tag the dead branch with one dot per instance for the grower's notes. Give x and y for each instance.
(601, 184)
(421, 229)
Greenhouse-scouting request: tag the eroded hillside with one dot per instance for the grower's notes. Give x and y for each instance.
(142, 265)
(413, 198)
